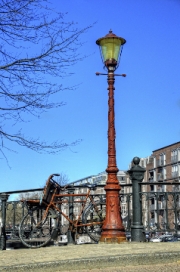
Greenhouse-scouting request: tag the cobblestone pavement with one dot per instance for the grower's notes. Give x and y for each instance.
(125, 257)
(175, 267)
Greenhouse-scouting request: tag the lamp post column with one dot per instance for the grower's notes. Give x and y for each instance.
(112, 230)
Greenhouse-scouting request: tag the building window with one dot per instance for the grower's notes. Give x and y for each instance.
(151, 176)
(159, 188)
(152, 215)
(174, 156)
(162, 158)
(160, 175)
(123, 210)
(142, 163)
(161, 212)
(154, 162)
(152, 201)
(175, 172)
(122, 190)
(121, 178)
(176, 189)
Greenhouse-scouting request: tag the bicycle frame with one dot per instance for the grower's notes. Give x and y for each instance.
(88, 218)
(53, 204)
(84, 202)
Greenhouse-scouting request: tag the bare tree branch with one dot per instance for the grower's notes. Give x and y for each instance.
(36, 47)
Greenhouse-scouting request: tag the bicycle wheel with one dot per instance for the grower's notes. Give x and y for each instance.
(35, 230)
(94, 216)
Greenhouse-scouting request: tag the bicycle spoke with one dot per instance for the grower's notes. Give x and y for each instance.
(35, 230)
(93, 216)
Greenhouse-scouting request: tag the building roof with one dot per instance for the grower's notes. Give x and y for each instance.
(165, 146)
(95, 178)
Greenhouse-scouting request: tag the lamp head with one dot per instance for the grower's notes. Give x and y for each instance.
(110, 49)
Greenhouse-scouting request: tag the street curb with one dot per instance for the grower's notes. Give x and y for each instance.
(98, 262)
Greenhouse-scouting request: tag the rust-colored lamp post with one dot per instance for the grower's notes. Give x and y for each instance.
(112, 230)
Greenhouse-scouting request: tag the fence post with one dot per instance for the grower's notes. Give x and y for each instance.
(3, 198)
(70, 233)
(136, 174)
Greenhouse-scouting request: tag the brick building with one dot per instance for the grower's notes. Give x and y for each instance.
(161, 205)
(164, 167)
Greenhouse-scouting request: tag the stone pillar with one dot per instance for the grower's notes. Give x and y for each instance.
(3, 198)
(136, 174)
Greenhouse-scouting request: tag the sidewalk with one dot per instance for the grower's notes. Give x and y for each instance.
(100, 257)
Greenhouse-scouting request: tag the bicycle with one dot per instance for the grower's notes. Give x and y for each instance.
(43, 219)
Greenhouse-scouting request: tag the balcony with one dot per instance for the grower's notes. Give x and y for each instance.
(152, 207)
(152, 179)
(175, 174)
(160, 177)
(174, 158)
(160, 162)
(160, 190)
(176, 188)
(161, 205)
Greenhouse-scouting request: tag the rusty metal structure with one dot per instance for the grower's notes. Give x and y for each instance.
(42, 221)
(112, 230)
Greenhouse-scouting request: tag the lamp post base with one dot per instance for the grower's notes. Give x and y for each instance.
(112, 230)
(113, 238)
(137, 233)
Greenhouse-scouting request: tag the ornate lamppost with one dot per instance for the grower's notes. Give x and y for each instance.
(112, 230)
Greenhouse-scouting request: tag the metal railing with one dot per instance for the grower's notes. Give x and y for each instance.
(12, 212)
(162, 216)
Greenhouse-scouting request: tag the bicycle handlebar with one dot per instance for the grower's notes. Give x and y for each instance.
(55, 182)
(57, 175)
(90, 186)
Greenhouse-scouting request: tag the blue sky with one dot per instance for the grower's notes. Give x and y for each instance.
(147, 101)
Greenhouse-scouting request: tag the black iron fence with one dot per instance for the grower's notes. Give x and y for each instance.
(161, 211)
(157, 212)
(12, 212)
